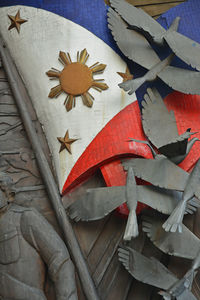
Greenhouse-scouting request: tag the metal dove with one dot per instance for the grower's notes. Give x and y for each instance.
(175, 219)
(164, 137)
(185, 48)
(185, 245)
(152, 272)
(136, 47)
(165, 174)
(99, 202)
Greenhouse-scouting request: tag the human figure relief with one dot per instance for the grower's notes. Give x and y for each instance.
(28, 243)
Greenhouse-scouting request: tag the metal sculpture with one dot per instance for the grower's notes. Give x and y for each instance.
(136, 47)
(165, 174)
(29, 242)
(16, 21)
(99, 202)
(76, 79)
(185, 245)
(185, 48)
(151, 271)
(22, 98)
(66, 142)
(164, 137)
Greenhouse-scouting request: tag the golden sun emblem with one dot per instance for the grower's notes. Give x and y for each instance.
(76, 79)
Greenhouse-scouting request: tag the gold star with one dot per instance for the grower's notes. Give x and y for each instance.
(66, 142)
(16, 21)
(126, 76)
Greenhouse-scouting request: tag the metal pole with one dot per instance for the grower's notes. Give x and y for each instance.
(22, 97)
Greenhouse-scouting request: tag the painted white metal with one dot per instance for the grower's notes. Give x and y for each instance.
(35, 50)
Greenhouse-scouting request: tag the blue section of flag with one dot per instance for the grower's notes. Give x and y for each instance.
(92, 14)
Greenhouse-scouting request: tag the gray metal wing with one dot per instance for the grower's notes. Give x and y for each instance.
(186, 295)
(159, 199)
(146, 270)
(193, 183)
(158, 123)
(181, 80)
(96, 203)
(137, 18)
(159, 171)
(185, 245)
(131, 43)
(185, 48)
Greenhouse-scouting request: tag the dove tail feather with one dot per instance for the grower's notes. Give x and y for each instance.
(131, 230)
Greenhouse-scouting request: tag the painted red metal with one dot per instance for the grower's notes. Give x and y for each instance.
(111, 143)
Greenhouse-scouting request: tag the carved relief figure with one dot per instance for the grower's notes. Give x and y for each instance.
(28, 243)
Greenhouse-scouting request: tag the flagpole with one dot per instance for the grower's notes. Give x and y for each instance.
(22, 97)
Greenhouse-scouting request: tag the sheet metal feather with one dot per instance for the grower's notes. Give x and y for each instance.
(185, 245)
(131, 42)
(97, 203)
(163, 200)
(146, 270)
(151, 271)
(137, 18)
(174, 221)
(185, 81)
(165, 136)
(160, 172)
(185, 48)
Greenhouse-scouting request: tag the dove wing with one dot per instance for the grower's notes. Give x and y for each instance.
(185, 48)
(147, 270)
(159, 199)
(186, 295)
(137, 18)
(158, 123)
(160, 172)
(182, 80)
(193, 183)
(131, 43)
(185, 245)
(96, 203)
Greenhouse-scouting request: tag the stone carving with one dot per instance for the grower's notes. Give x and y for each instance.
(28, 243)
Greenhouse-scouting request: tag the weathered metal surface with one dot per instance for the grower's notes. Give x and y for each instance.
(66, 142)
(76, 79)
(21, 97)
(159, 171)
(61, 34)
(152, 272)
(136, 47)
(16, 21)
(185, 245)
(185, 48)
(29, 242)
(97, 203)
(164, 137)
(174, 222)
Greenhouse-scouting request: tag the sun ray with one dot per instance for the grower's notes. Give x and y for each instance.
(78, 57)
(55, 91)
(76, 79)
(63, 58)
(93, 65)
(87, 99)
(69, 102)
(100, 85)
(52, 73)
(98, 68)
(83, 56)
(69, 57)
